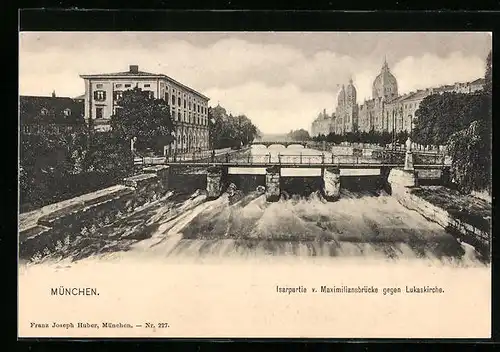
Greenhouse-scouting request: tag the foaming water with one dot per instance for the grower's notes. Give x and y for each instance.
(361, 225)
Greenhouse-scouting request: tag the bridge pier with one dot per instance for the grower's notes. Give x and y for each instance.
(273, 190)
(400, 180)
(214, 182)
(162, 172)
(331, 183)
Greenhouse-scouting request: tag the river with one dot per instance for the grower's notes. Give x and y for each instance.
(364, 223)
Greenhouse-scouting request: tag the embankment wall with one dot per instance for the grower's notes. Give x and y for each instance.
(463, 231)
(88, 214)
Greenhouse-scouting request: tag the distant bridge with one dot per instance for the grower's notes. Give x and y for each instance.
(283, 143)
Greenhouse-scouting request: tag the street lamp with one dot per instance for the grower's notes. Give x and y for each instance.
(210, 135)
(132, 144)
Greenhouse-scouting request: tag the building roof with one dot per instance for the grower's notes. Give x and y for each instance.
(135, 73)
(384, 78)
(41, 109)
(478, 81)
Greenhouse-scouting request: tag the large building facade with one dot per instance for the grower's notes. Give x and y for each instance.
(346, 112)
(41, 114)
(387, 110)
(188, 108)
(323, 124)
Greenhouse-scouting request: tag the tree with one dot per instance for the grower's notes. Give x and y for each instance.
(299, 135)
(470, 147)
(470, 150)
(401, 137)
(488, 86)
(488, 76)
(140, 115)
(230, 131)
(441, 115)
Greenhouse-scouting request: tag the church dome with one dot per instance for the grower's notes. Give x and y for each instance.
(385, 84)
(350, 94)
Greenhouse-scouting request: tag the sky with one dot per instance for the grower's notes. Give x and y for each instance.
(280, 80)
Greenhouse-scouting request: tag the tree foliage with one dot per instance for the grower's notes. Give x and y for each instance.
(140, 115)
(299, 135)
(470, 150)
(471, 146)
(488, 76)
(58, 166)
(463, 122)
(372, 137)
(227, 130)
(441, 115)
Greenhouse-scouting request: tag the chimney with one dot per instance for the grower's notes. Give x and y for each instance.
(134, 69)
(53, 94)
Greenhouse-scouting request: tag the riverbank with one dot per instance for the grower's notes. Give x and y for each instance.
(465, 216)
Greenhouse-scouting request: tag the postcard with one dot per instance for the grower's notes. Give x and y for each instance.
(255, 184)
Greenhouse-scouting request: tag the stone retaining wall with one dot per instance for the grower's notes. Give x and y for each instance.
(86, 217)
(464, 231)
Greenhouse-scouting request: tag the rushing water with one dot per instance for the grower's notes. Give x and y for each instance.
(364, 223)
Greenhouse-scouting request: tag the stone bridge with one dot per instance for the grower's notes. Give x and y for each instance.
(283, 143)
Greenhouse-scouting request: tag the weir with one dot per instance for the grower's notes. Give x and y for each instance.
(86, 214)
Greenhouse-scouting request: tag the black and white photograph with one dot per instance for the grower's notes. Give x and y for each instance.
(255, 184)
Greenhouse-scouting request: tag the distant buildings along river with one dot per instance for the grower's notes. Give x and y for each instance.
(385, 111)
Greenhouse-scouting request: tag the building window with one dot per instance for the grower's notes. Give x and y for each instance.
(44, 112)
(119, 85)
(184, 103)
(166, 97)
(128, 85)
(118, 95)
(99, 95)
(147, 85)
(178, 116)
(99, 113)
(67, 112)
(99, 85)
(173, 99)
(179, 101)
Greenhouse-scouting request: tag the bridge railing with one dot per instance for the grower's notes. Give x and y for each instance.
(207, 158)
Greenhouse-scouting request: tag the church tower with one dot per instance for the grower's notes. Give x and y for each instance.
(339, 111)
(351, 108)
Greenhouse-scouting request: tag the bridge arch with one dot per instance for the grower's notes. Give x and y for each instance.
(281, 145)
(296, 145)
(259, 145)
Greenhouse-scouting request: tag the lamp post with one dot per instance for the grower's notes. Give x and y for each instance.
(210, 137)
(393, 130)
(132, 144)
(174, 141)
